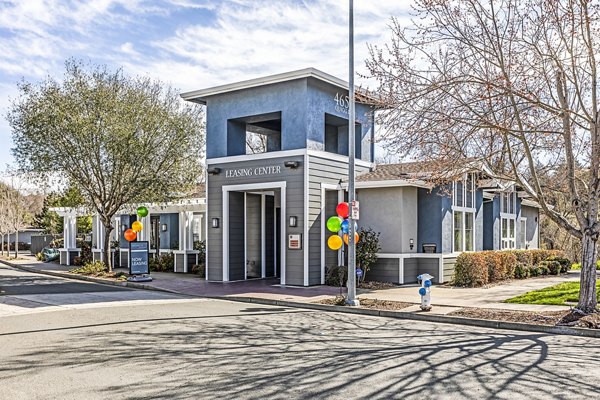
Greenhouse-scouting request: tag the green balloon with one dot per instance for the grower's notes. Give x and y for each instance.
(142, 211)
(334, 224)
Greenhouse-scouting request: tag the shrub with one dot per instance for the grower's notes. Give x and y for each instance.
(91, 268)
(200, 245)
(336, 275)
(553, 266)
(162, 263)
(471, 269)
(577, 266)
(521, 271)
(366, 249)
(199, 269)
(544, 269)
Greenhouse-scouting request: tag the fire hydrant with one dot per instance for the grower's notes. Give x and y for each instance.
(425, 291)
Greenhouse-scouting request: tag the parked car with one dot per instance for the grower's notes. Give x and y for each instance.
(50, 254)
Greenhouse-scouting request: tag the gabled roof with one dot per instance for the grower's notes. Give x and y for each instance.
(200, 96)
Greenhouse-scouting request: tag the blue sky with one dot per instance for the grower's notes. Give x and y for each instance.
(189, 44)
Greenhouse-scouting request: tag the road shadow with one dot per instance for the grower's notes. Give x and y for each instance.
(308, 355)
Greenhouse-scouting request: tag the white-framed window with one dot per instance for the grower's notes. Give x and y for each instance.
(523, 233)
(508, 220)
(463, 214)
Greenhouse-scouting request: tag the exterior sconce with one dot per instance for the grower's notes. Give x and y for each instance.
(214, 171)
(293, 221)
(215, 222)
(163, 227)
(411, 243)
(291, 164)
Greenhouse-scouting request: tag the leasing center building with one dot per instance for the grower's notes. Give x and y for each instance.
(266, 212)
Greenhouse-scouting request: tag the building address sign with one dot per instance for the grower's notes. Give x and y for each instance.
(256, 171)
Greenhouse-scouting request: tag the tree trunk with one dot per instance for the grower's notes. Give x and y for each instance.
(108, 228)
(16, 244)
(2, 239)
(587, 295)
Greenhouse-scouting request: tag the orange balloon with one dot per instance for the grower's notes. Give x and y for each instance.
(137, 226)
(355, 238)
(334, 242)
(130, 235)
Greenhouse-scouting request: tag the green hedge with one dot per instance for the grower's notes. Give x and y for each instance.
(483, 267)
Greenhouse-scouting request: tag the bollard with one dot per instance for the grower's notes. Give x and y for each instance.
(425, 291)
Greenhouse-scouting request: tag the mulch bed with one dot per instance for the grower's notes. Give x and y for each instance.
(551, 318)
(368, 303)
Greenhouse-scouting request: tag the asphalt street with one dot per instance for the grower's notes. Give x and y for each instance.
(99, 342)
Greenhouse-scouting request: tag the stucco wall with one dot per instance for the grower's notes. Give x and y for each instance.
(533, 232)
(392, 211)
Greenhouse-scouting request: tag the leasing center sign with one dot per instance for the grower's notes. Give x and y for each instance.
(254, 171)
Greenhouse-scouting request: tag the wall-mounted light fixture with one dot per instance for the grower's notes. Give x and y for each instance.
(291, 164)
(163, 227)
(411, 243)
(215, 222)
(214, 171)
(293, 221)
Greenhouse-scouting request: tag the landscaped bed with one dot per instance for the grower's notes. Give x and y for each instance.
(564, 294)
(373, 304)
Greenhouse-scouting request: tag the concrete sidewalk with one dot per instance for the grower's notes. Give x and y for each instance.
(444, 299)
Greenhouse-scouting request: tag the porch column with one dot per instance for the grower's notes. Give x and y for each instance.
(144, 235)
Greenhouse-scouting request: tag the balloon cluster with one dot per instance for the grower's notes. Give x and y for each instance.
(131, 234)
(339, 223)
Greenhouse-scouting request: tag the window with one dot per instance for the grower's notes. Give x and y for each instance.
(463, 208)
(508, 220)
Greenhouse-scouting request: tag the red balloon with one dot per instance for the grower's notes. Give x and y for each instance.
(130, 235)
(343, 210)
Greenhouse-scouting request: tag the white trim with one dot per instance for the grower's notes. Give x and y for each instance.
(324, 188)
(206, 220)
(245, 236)
(249, 187)
(263, 237)
(401, 270)
(391, 183)
(253, 157)
(225, 222)
(200, 95)
(306, 244)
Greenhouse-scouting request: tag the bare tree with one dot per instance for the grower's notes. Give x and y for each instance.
(117, 139)
(512, 84)
(14, 212)
(4, 230)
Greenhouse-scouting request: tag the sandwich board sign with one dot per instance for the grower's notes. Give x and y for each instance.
(138, 258)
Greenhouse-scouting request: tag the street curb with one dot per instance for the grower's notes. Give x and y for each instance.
(131, 285)
(414, 316)
(444, 319)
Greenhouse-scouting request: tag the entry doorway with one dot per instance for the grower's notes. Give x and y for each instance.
(252, 231)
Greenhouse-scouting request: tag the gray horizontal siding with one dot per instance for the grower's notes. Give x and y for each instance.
(449, 264)
(384, 270)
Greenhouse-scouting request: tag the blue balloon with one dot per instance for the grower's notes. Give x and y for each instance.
(427, 283)
(346, 227)
(422, 291)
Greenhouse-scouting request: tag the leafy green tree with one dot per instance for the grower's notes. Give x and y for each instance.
(366, 249)
(50, 221)
(118, 139)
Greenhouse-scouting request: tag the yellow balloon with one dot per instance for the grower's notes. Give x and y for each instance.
(137, 226)
(334, 242)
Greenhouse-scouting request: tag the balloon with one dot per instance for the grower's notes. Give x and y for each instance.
(342, 210)
(130, 235)
(142, 211)
(334, 224)
(355, 238)
(137, 226)
(346, 226)
(334, 242)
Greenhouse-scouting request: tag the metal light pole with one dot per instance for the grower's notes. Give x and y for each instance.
(351, 300)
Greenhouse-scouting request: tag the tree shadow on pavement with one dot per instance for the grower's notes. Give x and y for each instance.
(308, 355)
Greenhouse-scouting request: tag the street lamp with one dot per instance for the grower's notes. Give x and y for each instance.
(351, 300)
